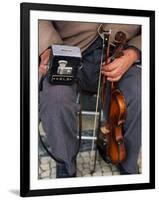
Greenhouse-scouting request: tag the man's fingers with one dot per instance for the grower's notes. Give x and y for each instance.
(114, 79)
(112, 74)
(43, 69)
(45, 56)
(44, 61)
(111, 66)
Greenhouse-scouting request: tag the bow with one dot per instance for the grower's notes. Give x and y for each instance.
(101, 84)
(117, 107)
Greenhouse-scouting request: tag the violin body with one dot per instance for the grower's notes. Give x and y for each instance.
(117, 114)
(110, 141)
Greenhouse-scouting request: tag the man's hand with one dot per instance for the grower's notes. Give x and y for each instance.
(115, 70)
(44, 61)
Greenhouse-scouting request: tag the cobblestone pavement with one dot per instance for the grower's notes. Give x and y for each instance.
(47, 166)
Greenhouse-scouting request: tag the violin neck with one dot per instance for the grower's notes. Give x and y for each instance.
(114, 85)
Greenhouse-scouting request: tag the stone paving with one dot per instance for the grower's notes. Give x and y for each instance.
(47, 166)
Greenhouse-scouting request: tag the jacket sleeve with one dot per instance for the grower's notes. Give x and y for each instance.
(136, 42)
(47, 35)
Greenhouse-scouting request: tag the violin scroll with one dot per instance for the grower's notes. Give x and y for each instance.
(120, 37)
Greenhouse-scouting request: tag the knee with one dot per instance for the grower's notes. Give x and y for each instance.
(57, 102)
(57, 97)
(61, 93)
(130, 85)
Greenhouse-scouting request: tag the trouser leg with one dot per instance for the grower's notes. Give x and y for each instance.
(130, 85)
(62, 172)
(58, 110)
(58, 113)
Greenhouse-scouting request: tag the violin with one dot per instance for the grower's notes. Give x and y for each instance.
(112, 131)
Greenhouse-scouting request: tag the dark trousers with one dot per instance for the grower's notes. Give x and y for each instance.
(58, 112)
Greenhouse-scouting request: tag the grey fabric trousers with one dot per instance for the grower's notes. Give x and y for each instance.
(58, 111)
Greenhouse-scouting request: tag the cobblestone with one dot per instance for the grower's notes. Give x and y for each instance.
(116, 173)
(53, 173)
(108, 173)
(47, 167)
(98, 173)
(85, 155)
(85, 172)
(114, 168)
(79, 173)
(52, 164)
(45, 174)
(86, 166)
(85, 162)
(79, 160)
(87, 175)
(105, 168)
(45, 160)
(80, 167)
